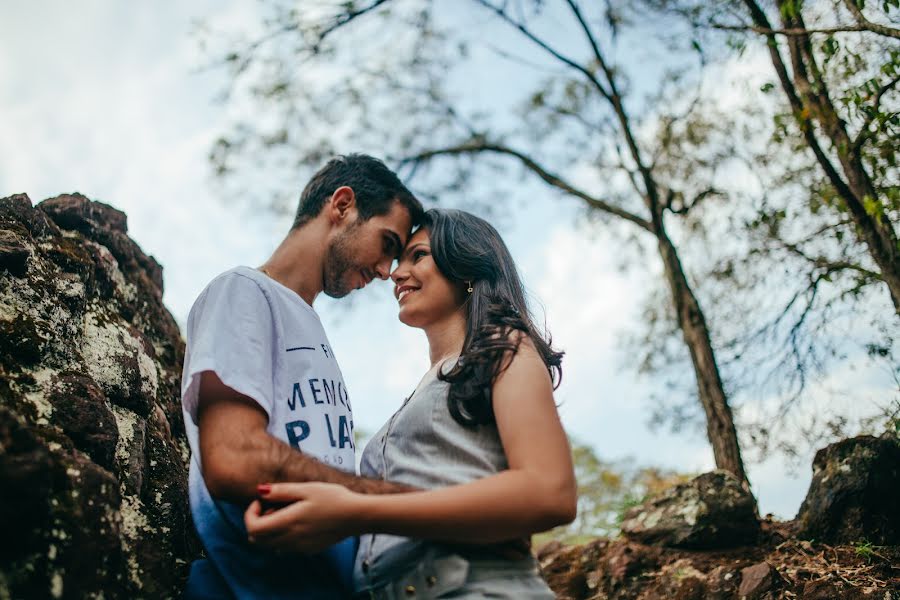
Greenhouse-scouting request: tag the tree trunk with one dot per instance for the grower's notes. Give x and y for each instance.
(719, 422)
(878, 234)
(874, 227)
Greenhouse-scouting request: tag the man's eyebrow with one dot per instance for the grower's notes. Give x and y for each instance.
(409, 249)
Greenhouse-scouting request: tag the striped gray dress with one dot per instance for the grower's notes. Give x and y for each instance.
(423, 446)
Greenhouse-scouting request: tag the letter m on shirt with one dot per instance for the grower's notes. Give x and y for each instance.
(297, 394)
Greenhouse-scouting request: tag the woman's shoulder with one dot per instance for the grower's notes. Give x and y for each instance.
(523, 357)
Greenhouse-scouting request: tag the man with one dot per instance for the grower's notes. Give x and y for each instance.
(262, 395)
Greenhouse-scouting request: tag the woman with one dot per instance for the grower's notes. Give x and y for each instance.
(480, 433)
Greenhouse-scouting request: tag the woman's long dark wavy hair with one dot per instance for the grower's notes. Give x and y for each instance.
(467, 249)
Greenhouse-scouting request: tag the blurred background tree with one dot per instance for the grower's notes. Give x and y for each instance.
(810, 285)
(763, 275)
(605, 492)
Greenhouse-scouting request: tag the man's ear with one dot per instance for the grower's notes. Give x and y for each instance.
(343, 204)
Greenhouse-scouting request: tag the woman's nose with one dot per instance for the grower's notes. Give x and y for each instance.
(399, 274)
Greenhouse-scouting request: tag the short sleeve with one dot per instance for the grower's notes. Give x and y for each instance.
(231, 331)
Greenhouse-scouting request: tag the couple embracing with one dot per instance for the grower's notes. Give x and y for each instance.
(450, 489)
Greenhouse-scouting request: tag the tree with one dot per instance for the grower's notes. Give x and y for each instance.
(807, 289)
(839, 76)
(577, 112)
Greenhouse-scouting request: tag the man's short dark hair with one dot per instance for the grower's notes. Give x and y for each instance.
(376, 188)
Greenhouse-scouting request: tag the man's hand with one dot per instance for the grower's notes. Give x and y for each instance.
(318, 516)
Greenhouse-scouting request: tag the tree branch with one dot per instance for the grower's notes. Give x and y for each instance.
(869, 25)
(611, 95)
(247, 56)
(504, 16)
(343, 19)
(788, 32)
(759, 17)
(615, 99)
(826, 264)
(478, 145)
(686, 207)
(864, 132)
(632, 174)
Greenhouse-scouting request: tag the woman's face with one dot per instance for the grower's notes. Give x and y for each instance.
(424, 294)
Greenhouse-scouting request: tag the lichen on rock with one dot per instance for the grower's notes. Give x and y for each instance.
(712, 510)
(91, 436)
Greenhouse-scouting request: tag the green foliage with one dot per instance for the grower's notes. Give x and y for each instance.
(867, 550)
(606, 491)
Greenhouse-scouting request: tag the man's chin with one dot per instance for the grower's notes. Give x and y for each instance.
(337, 293)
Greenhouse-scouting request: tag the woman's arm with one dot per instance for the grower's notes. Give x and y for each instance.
(536, 493)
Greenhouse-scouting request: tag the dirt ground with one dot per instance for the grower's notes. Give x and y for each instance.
(784, 567)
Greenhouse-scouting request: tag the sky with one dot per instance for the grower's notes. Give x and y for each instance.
(111, 99)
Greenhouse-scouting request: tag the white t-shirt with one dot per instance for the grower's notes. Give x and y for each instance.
(265, 342)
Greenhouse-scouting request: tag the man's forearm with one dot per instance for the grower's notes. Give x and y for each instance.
(287, 464)
(238, 454)
(233, 471)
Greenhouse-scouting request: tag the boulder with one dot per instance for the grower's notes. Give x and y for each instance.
(853, 496)
(712, 510)
(93, 456)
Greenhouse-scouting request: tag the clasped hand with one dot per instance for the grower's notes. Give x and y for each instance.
(313, 517)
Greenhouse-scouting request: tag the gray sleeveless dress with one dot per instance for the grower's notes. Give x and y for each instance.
(423, 446)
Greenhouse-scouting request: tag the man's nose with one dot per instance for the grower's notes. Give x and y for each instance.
(383, 269)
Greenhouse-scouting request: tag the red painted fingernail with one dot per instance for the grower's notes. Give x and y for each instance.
(263, 489)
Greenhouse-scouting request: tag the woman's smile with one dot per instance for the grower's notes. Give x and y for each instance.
(403, 291)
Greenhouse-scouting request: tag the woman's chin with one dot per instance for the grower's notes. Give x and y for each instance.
(408, 319)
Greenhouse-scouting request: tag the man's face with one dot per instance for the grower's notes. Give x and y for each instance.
(365, 250)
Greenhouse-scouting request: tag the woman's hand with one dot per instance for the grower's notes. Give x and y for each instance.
(316, 516)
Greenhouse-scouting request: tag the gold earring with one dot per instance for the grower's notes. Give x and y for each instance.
(470, 290)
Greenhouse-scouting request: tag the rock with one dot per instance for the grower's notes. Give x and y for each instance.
(84, 415)
(93, 456)
(721, 583)
(548, 549)
(625, 560)
(13, 253)
(682, 581)
(712, 510)
(819, 590)
(853, 494)
(757, 580)
(571, 569)
(76, 212)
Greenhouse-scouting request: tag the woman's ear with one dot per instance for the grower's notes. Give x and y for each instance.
(342, 204)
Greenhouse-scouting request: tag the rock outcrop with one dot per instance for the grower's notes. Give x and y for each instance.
(92, 449)
(777, 566)
(855, 493)
(712, 510)
(702, 540)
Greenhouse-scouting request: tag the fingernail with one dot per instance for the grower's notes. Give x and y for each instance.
(263, 489)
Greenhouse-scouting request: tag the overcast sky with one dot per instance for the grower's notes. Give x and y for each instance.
(107, 98)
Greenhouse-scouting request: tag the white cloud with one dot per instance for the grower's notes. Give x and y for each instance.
(110, 104)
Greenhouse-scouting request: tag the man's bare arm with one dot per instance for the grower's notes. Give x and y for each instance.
(238, 454)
